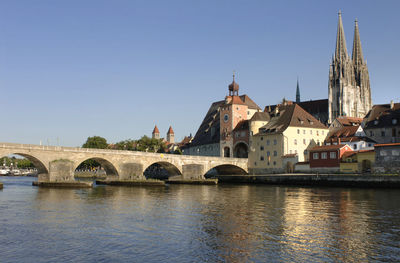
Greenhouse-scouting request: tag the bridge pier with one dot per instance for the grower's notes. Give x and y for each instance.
(193, 171)
(131, 171)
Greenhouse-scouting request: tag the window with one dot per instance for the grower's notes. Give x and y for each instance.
(262, 138)
(275, 153)
(304, 141)
(315, 156)
(317, 133)
(267, 142)
(324, 155)
(322, 132)
(332, 155)
(298, 131)
(262, 158)
(355, 146)
(295, 141)
(395, 152)
(248, 113)
(310, 131)
(371, 133)
(268, 153)
(274, 163)
(261, 148)
(304, 131)
(376, 122)
(394, 121)
(383, 153)
(275, 142)
(383, 133)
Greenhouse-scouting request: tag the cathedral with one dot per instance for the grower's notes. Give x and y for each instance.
(349, 89)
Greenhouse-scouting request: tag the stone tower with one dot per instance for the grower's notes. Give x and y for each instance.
(233, 111)
(349, 91)
(170, 135)
(156, 133)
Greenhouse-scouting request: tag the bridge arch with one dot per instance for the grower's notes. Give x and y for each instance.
(225, 169)
(40, 165)
(106, 164)
(161, 170)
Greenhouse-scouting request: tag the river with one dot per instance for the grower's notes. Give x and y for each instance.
(192, 223)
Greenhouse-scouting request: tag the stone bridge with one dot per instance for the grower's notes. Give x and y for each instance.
(58, 164)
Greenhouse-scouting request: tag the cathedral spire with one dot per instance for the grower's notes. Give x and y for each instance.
(298, 91)
(341, 50)
(357, 55)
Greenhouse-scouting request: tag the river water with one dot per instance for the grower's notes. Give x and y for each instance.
(191, 223)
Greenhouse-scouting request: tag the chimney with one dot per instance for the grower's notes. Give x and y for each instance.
(391, 105)
(338, 141)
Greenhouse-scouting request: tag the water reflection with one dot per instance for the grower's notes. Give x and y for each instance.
(177, 223)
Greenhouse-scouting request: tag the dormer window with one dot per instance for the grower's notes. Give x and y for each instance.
(376, 122)
(394, 121)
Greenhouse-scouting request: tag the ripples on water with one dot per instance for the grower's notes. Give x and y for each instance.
(184, 223)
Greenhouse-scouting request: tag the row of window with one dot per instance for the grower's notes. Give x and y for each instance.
(305, 141)
(268, 152)
(311, 132)
(388, 152)
(268, 141)
(262, 159)
(324, 155)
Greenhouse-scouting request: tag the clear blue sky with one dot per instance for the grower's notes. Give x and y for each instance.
(73, 69)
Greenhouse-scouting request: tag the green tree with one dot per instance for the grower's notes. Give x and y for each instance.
(96, 142)
(129, 145)
(146, 144)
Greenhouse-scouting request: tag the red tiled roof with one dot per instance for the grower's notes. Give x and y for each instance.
(347, 131)
(156, 130)
(328, 147)
(348, 121)
(170, 131)
(348, 154)
(365, 151)
(235, 100)
(387, 144)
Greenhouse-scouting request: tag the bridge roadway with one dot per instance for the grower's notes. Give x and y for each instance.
(58, 164)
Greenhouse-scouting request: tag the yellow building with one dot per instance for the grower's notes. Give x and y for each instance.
(284, 140)
(357, 162)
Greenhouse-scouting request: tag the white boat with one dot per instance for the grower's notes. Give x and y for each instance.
(4, 171)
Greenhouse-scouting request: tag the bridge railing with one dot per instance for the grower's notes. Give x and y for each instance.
(15, 146)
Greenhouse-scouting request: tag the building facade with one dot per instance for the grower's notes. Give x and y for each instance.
(349, 92)
(225, 128)
(285, 140)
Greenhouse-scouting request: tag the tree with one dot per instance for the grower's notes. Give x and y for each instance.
(146, 144)
(96, 142)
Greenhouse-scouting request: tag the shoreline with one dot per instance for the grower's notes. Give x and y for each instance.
(336, 180)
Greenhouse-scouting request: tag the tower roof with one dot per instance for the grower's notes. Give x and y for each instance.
(233, 86)
(341, 49)
(357, 55)
(155, 130)
(170, 130)
(297, 92)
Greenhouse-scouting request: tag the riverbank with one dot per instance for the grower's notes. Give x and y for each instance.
(339, 180)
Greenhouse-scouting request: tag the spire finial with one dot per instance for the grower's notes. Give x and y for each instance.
(341, 50)
(234, 72)
(297, 91)
(357, 55)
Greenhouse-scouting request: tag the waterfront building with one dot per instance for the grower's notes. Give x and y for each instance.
(349, 92)
(358, 161)
(285, 140)
(382, 123)
(327, 158)
(348, 130)
(224, 130)
(387, 158)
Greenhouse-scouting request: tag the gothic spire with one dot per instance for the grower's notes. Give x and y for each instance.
(341, 50)
(298, 92)
(357, 55)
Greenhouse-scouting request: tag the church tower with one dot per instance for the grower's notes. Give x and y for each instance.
(170, 135)
(349, 90)
(156, 133)
(297, 92)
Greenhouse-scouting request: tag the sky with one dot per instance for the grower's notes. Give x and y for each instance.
(74, 69)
